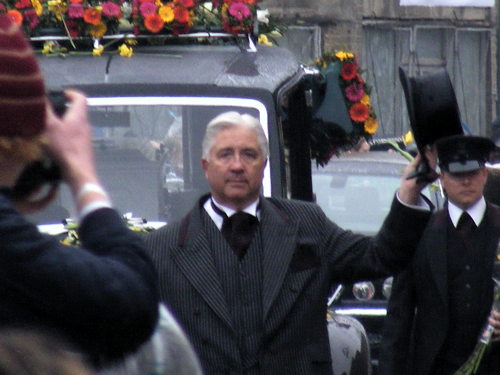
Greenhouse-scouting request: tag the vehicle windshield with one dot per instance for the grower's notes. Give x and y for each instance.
(358, 202)
(148, 151)
(356, 192)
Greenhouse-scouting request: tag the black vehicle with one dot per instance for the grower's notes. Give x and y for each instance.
(355, 190)
(149, 113)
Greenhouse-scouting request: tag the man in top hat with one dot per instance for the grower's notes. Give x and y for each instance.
(440, 304)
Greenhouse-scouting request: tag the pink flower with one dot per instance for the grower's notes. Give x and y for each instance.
(110, 9)
(354, 92)
(75, 11)
(147, 8)
(239, 11)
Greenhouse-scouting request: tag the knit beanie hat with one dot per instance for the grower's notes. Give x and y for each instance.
(22, 92)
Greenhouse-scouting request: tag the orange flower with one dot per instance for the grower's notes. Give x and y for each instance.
(371, 125)
(153, 23)
(92, 16)
(15, 16)
(98, 31)
(359, 112)
(76, 1)
(181, 14)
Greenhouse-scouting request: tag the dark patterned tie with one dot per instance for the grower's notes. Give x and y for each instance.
(238, 230)
(465, 224)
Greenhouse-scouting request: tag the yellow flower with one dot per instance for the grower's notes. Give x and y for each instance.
(365, 100)
(125, 51)
(408, 138)
(97, 31)
(57, 7)
(371, 125)
(37, 6)
(98, 51)
(166, 13)
(48, 47)
(263, 40)
(131, 42)
(341, 55)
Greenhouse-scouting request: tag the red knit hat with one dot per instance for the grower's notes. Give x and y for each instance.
(22, 92)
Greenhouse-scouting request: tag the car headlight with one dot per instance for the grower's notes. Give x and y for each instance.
(363, 291)
(387, 287)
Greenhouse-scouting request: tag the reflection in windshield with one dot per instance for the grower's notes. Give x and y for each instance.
(148, 159)
(356, 202)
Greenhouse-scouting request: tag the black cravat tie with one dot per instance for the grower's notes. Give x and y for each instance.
(238, 230)
(465, 224)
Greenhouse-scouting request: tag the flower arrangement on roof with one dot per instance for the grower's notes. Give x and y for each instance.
(356, 95)
(95, 19)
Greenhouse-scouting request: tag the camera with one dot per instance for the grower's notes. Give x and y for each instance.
(45, 170)
(58, 100)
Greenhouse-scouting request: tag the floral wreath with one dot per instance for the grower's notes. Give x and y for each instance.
(356, 93)
(95, 19)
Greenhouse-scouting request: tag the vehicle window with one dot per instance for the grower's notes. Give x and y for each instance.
(356, 202)
(148, 153)
(359, 199)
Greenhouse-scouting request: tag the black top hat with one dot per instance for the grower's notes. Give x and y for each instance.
(432, 107)
(462, 154)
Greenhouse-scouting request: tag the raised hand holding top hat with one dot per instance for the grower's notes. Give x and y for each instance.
(433, 112)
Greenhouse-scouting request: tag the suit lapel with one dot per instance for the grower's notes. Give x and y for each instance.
(195, 259)
(278, 237)
(436, 253)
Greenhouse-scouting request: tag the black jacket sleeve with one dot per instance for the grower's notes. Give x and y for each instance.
(102, 296)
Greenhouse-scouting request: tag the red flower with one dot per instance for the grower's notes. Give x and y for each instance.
(31, 18)
(349, 71)
(153, 23)
(21, 4)
(185, 3)
(359, 112)
(92, 16)
(181, 14)
(73, 28)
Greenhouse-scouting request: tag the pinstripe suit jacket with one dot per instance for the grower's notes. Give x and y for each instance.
(303, 254)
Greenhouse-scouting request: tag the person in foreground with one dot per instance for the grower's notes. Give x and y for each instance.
(259, 307)
(102, 297)
(440, 305)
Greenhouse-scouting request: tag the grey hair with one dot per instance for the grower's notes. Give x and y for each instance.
(233, 119)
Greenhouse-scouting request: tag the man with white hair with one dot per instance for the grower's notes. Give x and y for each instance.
(248, 276)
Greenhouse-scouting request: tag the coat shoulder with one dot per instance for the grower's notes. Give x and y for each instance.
(291, 206)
